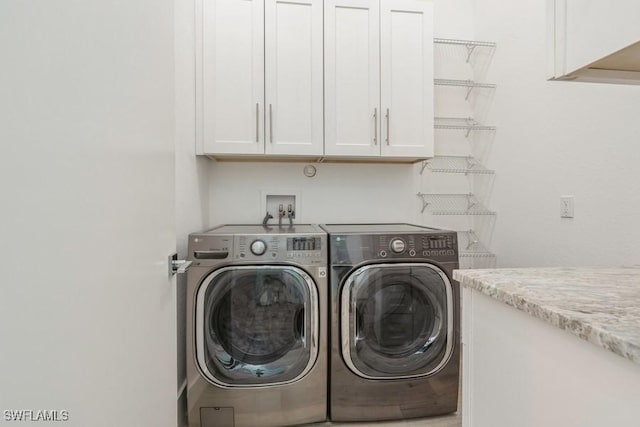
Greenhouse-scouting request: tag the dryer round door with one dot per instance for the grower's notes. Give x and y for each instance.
(397, 320)
(256, 325)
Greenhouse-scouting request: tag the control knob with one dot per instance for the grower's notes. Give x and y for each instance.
(397, 246)
(258, 247)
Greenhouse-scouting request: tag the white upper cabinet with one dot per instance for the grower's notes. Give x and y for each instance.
(259, 81)
(340, 78)
(379, 78)
(406, 77)
(231, 77)
(293, 40)
(352, 77)
(596, 40)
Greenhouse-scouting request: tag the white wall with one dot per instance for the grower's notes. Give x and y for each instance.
(557, 138)
(338, 192)
(453, 19)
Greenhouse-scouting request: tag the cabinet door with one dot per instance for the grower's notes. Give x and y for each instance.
(293, 76)
(584, 48)
(406, 55)
(352, 77)
(231, 108)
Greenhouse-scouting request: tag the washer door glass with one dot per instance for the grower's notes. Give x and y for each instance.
(256, 325)
(396, 320)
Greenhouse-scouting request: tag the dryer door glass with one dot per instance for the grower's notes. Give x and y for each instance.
(397, 320)
(256, 325)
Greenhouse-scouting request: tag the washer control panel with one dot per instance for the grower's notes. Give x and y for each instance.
(299, 248)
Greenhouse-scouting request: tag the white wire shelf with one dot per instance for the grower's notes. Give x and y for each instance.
(470, 45)
(461, 123)
(463, 83)
(470, 246)
(474, 43)
(468, 84)
(455, 164)
(452, 204)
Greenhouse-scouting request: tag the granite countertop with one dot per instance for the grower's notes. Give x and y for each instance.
(599, 305)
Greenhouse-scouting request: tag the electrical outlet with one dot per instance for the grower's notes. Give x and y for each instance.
(566, 206)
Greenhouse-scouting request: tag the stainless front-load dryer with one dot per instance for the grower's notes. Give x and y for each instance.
(256, 326)
(394, 315)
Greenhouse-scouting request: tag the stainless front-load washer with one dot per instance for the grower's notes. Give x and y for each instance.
(394, 316)
(256, 326)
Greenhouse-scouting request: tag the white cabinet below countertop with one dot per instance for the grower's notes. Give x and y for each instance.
(550, 347)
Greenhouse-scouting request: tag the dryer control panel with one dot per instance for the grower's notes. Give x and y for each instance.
(352, 249)
(441, 246)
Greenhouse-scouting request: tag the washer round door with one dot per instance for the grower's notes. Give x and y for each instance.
(396, 320)
(256, 325)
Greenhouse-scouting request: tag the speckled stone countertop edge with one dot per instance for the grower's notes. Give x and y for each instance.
(584, 330)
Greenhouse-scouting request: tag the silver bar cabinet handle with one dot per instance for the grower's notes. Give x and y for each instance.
(387, 117)
(257, 122)
(270, 125)
(375, 126)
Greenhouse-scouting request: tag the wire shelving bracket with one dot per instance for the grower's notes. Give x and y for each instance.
(470, 45)
(455, 164)
(472, 239)
(425, 202)
(452, 204)
(471, 246)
